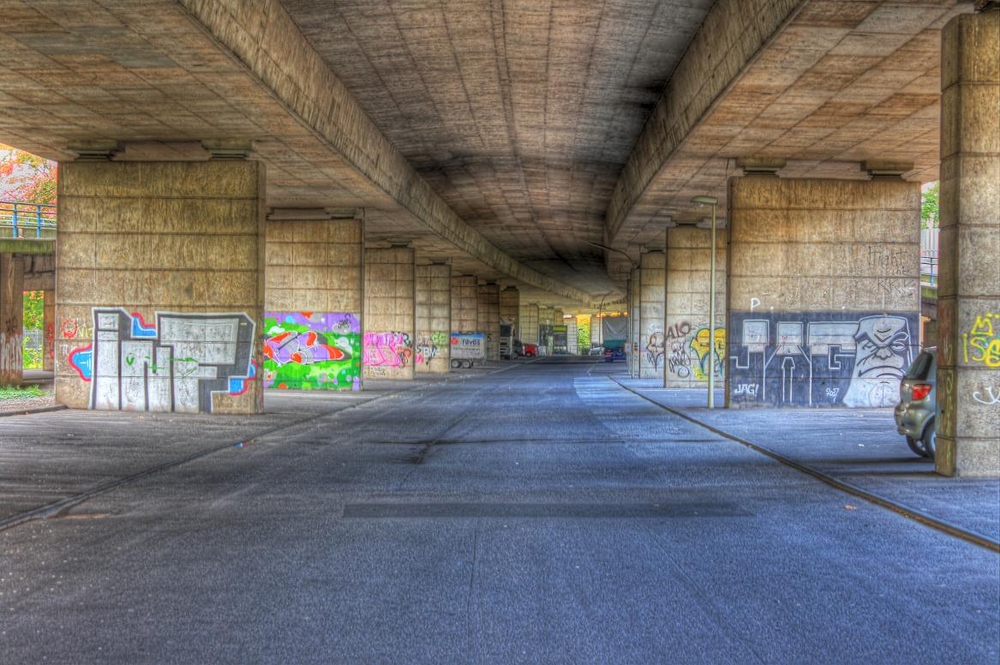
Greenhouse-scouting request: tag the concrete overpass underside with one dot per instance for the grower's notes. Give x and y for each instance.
(542, 146)
(510, 139)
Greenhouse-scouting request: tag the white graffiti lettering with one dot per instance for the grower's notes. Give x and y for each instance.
(992, 396)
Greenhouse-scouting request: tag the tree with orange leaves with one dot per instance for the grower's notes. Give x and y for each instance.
(25, 177)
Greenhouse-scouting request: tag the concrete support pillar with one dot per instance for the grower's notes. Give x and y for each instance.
(48, 330)
(433, 350)
(313, 302)
(11, 320)
(687, 338)
(634, 349)
(489, 318)
(529, 323)
(651, 294)
(510, 308)
(389, 313)
(824, 291)
(160, 286)
(464, 303)
(968, 380)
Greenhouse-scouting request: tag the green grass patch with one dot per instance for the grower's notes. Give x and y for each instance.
(15, 392)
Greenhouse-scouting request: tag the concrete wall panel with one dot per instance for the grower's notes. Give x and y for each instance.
(827, 317)
(119, 258)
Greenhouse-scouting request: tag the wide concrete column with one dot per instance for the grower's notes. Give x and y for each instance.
(687, 337)
(464, 303)
(433, 350)
(489, 318)
(824, 291)
(634, 349)
(510, 308)
(389, 313)
(968, 384)
(529, 323)
(11, 320)
(652, 279)
(313, 302)
(160, 286)
(48, 330)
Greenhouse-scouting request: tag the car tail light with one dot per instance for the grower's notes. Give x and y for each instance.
(920, 391)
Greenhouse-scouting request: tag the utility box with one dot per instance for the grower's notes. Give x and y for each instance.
(467, 348)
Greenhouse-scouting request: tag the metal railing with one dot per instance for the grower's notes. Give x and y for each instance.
(27, 220)
(929, 256)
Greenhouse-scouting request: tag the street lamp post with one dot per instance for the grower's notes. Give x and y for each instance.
(712, 201)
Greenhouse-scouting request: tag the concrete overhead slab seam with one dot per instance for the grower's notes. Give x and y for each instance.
(57, 507)
(896, 507)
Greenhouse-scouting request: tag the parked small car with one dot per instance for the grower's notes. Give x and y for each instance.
(917, 408)
(530, 350)
(613, 353)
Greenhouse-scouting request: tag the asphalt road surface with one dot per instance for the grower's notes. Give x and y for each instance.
(540, 514)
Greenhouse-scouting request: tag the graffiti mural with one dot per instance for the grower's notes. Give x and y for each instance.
(385, 353)
(655, 346)
(981, 345)
(700, 346)
(688, 351)
(175, 365)
(819, 359)
(312, 351)
(429, 346)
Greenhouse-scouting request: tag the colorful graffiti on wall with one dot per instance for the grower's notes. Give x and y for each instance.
(175, 365)
(981, 345)
(387, 353)
(688, 351)
(429, 346)
(312, 351)
(820, 358)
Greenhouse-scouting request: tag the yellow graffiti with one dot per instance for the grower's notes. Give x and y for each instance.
(982, 343)
(700, 345)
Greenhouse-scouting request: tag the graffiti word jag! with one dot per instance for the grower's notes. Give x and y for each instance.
(747, 389)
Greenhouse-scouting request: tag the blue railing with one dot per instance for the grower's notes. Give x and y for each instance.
(27, 220)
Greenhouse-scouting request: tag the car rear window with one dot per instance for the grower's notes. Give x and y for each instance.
(921, 367)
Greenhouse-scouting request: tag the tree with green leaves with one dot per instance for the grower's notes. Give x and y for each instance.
(929, 206)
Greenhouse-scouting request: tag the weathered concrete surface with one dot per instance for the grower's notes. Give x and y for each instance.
(824, 85)
(652, 282)
(147, 239)
(389, 322)
(464, 303)
(529, 323)
(489, 318)
(433, 302)
(686, 336)
(824, 291)
(11, 319)
(969, 288)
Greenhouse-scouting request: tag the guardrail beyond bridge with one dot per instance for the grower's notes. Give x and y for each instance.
(27, 220)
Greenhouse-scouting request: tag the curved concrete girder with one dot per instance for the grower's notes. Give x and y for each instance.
(733, 33)
(267, 42)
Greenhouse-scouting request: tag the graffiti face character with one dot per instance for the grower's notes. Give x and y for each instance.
(881, 357)
(883, 347)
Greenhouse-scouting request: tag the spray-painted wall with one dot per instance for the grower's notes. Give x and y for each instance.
(179, 364)
(824, 296)
(312, 351)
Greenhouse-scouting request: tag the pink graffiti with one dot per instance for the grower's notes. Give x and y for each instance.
(387, 349)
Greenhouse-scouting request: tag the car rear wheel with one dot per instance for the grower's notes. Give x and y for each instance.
(929, 439)
(916, 445)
